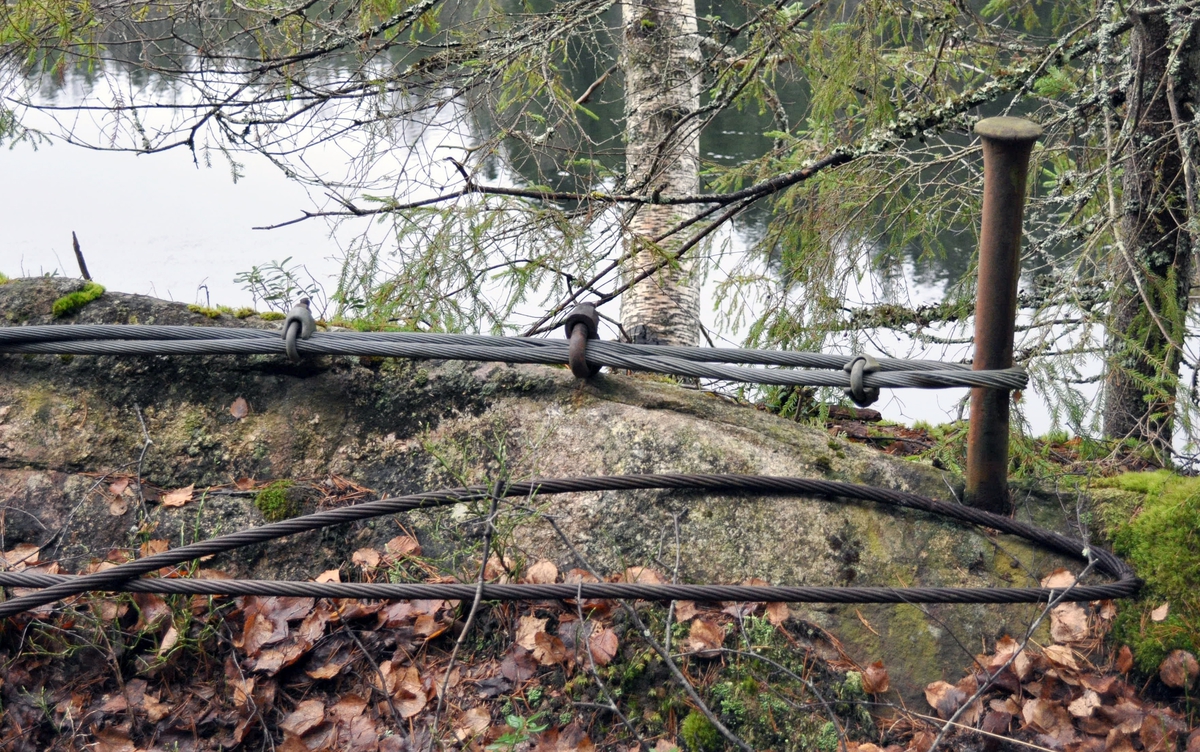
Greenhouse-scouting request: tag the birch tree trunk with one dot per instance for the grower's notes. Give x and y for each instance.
(1153, 261)
(662, 68)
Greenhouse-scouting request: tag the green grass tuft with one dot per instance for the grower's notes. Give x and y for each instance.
(72, 302)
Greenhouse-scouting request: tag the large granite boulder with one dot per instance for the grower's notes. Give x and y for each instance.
(345, 429)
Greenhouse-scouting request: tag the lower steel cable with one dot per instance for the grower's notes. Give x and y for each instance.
(125, 577)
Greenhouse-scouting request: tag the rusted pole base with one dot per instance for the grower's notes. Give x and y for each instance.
(1007, 143)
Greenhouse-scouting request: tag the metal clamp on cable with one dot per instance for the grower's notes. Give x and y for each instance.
(582, 324)
(859, 367)
(299, 323)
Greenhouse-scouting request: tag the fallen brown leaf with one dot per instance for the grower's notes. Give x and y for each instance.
(1059, 578)
(1179, 670)
(548, 650)
(944, 698)
(178, 497)
(240, 408)
(528, 627)
(603, 644)
(705, 637)
(777, 613)
(308, 715)
(473, 723)
(1068, 623)
(402, 545)
(685, 610)
(542, 573)
(1160, 613)
(366, 557)
(875, 679)
(1124, 659)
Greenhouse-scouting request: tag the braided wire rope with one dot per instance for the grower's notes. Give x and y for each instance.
(710, 363)
(124, 576)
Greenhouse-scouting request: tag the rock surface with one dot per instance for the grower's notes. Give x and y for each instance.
(72, 426)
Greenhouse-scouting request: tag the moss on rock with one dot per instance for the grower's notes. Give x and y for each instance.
(275, 503)
(1153, 520)
(73, 301)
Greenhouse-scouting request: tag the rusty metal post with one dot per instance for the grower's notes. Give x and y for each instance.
(1007, 143)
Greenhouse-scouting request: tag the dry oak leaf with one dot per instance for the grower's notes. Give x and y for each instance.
(240, 408)
(685, 610)
(1046, 716)
(548, 649)
(1068, 623)
(777, 613)
(473, 723)
(153, 611)
(1124, 659)
(1193, 741)
(542, 573)
(528, 628)
(875, 679)
(22, 555)
(308, 715)
(403, 545)
(705, 637)
(410, 694)
(178, 497)
(944, 698)
(603, 645)
(156, 546)
(1006, 647)
(1179, 670)
(642, 576)
(330, 575)
(243, 483)
(1058, 579)
(115, 739)
(366, 557)
(1083, 706)
(1160, 613)
(1061, 656)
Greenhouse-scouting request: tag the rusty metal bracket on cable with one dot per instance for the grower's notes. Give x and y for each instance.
(582, 324)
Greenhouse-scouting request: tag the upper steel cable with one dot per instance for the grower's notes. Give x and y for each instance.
(710, 363)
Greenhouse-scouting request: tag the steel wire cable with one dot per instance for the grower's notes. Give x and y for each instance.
(512, 350)
(124, 575)
(29, 334)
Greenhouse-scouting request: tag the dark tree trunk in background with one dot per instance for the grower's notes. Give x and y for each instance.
(1153, 268)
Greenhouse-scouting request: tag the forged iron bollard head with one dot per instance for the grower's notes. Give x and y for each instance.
(586, 314)
(582, 324)
(298, 324)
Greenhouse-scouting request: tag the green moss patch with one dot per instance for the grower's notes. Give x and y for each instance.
(274, 502)
(212, 313)
(72, 302)
(1155, 525)
(272, 316)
